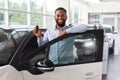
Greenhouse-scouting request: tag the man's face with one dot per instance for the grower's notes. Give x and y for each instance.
(60, 18)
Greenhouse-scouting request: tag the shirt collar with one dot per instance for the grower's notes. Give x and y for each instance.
(63, 28)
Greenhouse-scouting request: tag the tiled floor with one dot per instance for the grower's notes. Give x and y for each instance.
(113, 68)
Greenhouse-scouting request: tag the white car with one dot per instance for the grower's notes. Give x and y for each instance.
(105, 47)
(109, 36)
(22, 59)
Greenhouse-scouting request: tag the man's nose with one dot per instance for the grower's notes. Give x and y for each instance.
(60, 17)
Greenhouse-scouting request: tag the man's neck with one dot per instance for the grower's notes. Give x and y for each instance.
(59, 27)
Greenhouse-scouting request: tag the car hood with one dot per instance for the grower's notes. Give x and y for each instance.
(8, 72)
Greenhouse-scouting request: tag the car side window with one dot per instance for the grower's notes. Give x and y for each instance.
(7, 47)
(18, 37)
(28, 58)
(75, 49)
(9, 42)
(85, 48)
(61, 52)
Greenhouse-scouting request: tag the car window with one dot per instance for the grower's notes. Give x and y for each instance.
(108, 30)
(86, 47)
(9, 42)
(6, 47)
(78, 48)
(18, 37)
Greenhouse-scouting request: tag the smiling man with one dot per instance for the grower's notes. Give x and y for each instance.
(59, 51)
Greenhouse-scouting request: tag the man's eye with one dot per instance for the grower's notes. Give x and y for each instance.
(60, 15)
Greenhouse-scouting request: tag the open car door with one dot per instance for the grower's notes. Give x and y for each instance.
(35, 63)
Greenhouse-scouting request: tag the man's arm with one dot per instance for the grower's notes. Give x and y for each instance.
(77, 29)
(80, 28)
(37, 32)
(62, 33)
(40, 39)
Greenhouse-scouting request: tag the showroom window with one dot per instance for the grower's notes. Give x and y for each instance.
(93, 18)
(18, 5)
(1, 3)
(49, 7)
(17, 18)
(36, 19)
(75, 14)
(32, 12)
(27, 13)
(49, 21)
(1, 12)
(36, 6)
(1, 17)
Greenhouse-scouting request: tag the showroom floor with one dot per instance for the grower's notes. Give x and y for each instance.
(113, 68)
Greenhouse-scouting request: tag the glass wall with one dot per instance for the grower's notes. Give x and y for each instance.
(36, 6)
(77, 12)
(2, 17)
(29, 13)
(17, 5)
(36, 19)
(1, 12)
(74, 11)
(17, 18)
(1, 3)
(93, 18)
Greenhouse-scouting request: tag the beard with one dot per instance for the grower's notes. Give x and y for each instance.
(61, 24)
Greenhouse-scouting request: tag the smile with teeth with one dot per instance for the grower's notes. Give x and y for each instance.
(60, 21)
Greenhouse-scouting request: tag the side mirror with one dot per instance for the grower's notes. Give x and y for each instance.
(115, 32)
(45, 65)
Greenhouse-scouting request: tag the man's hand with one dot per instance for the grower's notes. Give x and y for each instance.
(62, 33)
(37, 32)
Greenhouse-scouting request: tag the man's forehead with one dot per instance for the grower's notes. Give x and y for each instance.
(60, 12)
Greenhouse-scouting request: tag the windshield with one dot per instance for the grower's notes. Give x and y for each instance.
(9, 42)
(108, 30)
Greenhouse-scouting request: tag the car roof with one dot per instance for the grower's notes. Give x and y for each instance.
(107, 25)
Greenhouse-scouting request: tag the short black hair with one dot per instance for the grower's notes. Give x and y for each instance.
(61, 8)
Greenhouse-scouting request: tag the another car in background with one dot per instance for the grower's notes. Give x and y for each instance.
(109, 34)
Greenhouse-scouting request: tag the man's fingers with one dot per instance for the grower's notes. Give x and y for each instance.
(37, 32)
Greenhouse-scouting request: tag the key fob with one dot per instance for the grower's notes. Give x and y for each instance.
(37, 28)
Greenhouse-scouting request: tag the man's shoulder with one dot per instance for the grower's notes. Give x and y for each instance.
(51, 28)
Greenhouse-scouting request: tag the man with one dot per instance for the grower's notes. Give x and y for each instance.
(62, 48)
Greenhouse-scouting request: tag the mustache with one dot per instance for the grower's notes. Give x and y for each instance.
(61, 24)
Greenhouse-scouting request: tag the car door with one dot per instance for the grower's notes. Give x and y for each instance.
(10, 40)
(85, 63)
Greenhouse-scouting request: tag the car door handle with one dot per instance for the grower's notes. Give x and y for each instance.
(89, 75)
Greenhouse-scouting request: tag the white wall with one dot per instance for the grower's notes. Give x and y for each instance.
(104, 7)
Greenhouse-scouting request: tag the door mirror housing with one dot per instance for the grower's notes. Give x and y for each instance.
(46, 65)
(115, 32)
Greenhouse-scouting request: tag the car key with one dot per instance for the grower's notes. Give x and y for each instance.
(37, 27)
